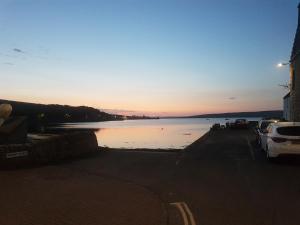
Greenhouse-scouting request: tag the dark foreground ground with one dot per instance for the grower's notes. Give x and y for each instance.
(221, 179)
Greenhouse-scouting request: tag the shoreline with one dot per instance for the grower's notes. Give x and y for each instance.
(161, 150)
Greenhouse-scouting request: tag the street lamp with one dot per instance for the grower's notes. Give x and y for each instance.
(279, 65)
(283, 64)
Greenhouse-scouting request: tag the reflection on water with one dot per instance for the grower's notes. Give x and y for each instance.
(162, 133)
(150, 137)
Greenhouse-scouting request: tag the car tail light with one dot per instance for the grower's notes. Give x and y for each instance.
(278, 139)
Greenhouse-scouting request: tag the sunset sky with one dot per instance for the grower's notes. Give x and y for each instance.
(154, 57)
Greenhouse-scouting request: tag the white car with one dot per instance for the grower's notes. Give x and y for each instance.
(282, 138)
(262, 126)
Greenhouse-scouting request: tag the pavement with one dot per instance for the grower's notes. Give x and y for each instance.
(222, 179)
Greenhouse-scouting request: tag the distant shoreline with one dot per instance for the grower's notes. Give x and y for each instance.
(263, 114)
(53, 113)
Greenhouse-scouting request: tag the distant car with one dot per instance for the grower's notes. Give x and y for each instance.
(216, 126)
(239, 123)
(262, 126)
(282, 138)
(230, 124)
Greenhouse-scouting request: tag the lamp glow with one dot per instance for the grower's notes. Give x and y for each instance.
(279, 65)
(283, 64)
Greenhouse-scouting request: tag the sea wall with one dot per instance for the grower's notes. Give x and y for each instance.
(49, 149)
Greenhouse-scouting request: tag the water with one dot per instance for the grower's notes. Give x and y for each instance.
(151, 134)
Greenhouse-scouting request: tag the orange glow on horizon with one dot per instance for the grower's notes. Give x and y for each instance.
(157, 108)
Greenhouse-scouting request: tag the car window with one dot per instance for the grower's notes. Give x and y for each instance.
(264, 125)
(290, 131)
(270, 128)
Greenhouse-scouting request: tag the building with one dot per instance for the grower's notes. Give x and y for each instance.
(295, 75)
(287, 107)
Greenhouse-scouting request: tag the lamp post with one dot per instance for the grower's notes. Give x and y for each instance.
(279, 65)
(283, 64)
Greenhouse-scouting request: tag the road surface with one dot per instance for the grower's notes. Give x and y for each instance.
(223, 179)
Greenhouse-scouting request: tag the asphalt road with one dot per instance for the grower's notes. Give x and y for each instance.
(221, 179)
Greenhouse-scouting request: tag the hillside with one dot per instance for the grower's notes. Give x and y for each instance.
(44, 114)
(264, 114)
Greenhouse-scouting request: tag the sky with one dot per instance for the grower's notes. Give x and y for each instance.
(152, 57)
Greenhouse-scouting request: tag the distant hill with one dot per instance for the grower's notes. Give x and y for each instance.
(38, 114)
(264, 114)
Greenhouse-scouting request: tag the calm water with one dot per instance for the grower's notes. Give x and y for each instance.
(154, 134)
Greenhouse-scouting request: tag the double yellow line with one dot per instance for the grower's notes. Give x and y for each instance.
(186, 214)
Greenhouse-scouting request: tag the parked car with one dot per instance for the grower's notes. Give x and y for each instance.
(262, 126)
(282, 138)
(216, 126)
(238, 123)
(228, 124)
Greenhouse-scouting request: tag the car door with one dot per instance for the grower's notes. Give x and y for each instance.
(269, 135)
(264, 137)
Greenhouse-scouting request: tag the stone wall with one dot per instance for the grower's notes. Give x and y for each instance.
(295, 90)
(54, 148)
(287, 107)
(14, 130)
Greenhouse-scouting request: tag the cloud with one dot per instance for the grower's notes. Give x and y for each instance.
(130, 112)
(8, 63)
(18, 50)
(120, 111)
(24, 55)
(232, 98)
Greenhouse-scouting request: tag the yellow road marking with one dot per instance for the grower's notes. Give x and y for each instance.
(187, 209)
(186, 214)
